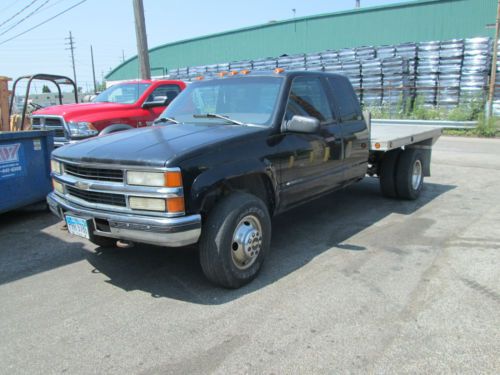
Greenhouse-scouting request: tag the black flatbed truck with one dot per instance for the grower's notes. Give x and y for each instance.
(227, 155)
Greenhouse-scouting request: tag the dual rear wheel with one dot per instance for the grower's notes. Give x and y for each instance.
(402, 174)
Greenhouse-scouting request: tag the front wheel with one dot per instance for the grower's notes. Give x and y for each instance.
(235, 240)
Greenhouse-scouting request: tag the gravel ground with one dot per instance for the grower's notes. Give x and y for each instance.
(355, 283)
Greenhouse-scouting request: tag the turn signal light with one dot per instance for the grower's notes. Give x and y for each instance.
(175, 204)
(173, 179)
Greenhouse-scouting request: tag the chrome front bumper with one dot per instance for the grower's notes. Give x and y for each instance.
(171, 232)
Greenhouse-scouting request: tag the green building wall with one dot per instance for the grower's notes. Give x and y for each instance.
(415, 21)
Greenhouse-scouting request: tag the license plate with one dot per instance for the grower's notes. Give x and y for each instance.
(77, 226)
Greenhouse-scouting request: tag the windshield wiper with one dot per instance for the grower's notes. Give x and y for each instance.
(165, 119)
(216, 115)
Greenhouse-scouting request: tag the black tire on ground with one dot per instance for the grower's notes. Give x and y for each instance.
(219, 248)
(409, 175)
(387, 175)
(103, 241)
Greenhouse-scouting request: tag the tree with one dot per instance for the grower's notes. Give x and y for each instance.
(46, 89)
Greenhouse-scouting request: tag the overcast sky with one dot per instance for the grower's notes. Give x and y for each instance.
(108, 25)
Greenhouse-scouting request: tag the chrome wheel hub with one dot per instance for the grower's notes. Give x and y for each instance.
(247, 242)
(416, 178)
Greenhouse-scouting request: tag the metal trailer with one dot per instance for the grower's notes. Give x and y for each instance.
(24, 168)
(400, 155)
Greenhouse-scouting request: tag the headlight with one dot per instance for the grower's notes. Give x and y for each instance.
(55, 166)
(167, 179)
(145, 178)
(81, 129)
(147, 204)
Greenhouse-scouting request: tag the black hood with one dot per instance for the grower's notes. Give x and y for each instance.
(153, 146)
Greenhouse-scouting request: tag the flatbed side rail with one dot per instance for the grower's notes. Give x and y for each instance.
(434, 123)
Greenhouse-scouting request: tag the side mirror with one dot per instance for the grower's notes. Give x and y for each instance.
(159, 101)
(302, 124)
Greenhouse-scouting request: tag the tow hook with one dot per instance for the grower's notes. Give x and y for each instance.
(123, 244)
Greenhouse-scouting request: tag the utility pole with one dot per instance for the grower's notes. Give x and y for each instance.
(493, 75)
(142, 40)
(358, 3)
(93, 68)
(72, 47)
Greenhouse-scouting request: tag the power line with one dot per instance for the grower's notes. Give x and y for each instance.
(18, 13)
(25, 18)
(42, 23)
(8, 6)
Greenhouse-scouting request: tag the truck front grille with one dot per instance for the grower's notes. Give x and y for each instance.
(97, 174)
(49, 123)
(97, 197)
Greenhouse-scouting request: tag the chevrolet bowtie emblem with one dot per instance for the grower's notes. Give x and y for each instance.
(82, 185)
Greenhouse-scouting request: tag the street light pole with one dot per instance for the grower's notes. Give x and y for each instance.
(142, 41)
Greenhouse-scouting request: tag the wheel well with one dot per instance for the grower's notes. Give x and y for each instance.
(257, 184)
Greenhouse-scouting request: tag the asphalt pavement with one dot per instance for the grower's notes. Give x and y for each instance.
(354, 283)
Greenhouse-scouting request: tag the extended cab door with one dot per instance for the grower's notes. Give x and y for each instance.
(355, 133)
(311, 163)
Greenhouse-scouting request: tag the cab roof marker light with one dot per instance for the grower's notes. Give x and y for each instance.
(279, 70)
(245, 71)
(221, 74)
(200, 78)
(234, 72)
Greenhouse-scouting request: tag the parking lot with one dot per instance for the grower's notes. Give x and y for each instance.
(354, 283)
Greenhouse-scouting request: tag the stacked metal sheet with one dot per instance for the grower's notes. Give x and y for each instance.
(409, 52)
(496, 96)
(352, 70)
(313, 61)
(264, 64)
(223, 67)
(371, 82)
(196, 71)
(475, 69)
(347, 54)
(427, 72)
(385, 52)
(396, 89)
(442, 73)
(292, 62)
(450, 67)
(365, 53)
(240, 65)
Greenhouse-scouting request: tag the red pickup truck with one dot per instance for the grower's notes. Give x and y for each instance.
(122, 106)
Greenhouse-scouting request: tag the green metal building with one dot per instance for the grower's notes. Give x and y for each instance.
(414, 21)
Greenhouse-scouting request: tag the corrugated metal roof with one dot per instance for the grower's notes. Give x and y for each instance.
(413, 21)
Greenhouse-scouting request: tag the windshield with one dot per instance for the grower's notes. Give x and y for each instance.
(251, 100)
(123, 93)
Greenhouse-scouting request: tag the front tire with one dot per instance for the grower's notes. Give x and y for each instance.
(235, 240)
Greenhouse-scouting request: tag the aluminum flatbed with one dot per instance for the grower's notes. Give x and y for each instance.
(389, 137)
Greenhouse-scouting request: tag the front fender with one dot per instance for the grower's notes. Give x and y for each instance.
(213, 178)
